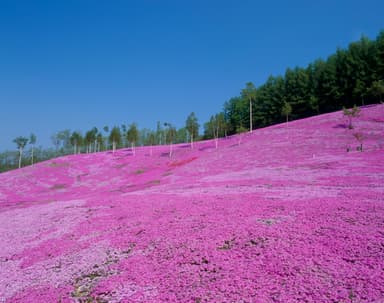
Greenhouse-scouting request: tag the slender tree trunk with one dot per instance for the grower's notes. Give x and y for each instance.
(216, 137)
(113, 146)
(20, 154)
(192, 141)
(32, 153)
(133, 148)
(250, 114)
(170, 150)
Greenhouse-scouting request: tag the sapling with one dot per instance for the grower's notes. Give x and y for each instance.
(286, 110)
(351, 113)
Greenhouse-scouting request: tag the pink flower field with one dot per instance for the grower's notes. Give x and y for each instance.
(284, 214)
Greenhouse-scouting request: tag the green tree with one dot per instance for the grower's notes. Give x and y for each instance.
(91, 139)
(216, 127)
(182, 135)
(100, 141)
(76, 140)
(21, 142)
(286, 110)
(377, 89)
(192, 127)
(170, 136)
(235, 112)
(115, 137)
(249, 93)
(32, 141)
(133, 136)
(61, 141)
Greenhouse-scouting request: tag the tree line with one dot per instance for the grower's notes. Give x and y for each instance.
(67, 142)
(350, 76)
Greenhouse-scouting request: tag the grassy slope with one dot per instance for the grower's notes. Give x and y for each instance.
(287, 215)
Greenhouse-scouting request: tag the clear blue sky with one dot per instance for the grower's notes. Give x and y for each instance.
(77, 64)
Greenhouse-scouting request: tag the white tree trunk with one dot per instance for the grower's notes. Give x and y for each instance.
(216, 136)
(133, 148)
(20, 154)
(192, 141)
(250, 114)
(32, 153)
(113, 146)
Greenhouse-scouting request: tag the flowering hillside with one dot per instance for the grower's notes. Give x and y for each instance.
(284, 214)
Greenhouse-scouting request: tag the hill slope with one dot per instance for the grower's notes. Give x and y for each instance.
(285, 214)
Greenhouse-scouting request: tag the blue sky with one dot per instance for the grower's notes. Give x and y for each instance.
(78, 64)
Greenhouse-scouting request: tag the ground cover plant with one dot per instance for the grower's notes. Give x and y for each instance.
(289, 213)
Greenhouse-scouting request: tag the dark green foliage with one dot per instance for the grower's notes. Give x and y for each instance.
(350, 76)
(76, 140)
(286, 110)
(216, 127)
(133, 134)
(115, 137)
(192, 126)
(377, 89)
